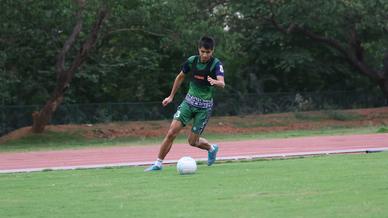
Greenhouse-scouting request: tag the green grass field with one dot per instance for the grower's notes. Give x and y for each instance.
(323, 186)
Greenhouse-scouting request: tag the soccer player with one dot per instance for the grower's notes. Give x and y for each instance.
(205, 73)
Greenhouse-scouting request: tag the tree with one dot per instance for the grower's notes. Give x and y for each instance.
(352, 30)
(66, 74)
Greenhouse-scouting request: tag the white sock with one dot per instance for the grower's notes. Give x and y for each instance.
(158, 162)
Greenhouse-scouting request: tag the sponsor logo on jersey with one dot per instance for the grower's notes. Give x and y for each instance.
(199, 77)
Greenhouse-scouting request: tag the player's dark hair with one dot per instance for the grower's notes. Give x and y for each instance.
(206, 42)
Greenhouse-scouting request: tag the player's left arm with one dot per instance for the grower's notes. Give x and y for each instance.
(219, 82)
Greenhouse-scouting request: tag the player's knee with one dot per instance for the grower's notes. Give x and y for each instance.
(171, 135)
(193, 142)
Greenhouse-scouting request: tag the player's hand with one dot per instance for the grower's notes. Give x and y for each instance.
(167, 101)
(211, 80)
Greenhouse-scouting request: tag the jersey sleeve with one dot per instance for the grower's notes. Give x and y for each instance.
(219, 69)
(186, 66)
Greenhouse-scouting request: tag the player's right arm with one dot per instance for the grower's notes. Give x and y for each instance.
(177, 83)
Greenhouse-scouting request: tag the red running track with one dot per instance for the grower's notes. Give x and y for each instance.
(144, 155)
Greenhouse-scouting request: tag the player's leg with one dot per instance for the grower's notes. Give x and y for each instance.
(201, 118)
(181, 117)
(200, 142)
(197, 141)
(175, 128)
(166, 145)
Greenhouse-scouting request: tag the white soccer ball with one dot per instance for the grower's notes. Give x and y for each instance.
(186, 165)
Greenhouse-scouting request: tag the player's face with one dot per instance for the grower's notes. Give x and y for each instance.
(205, 54)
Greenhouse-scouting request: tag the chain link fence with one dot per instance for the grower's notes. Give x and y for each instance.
(14, 117)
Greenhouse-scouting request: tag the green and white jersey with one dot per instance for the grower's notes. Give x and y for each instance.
(200, 92)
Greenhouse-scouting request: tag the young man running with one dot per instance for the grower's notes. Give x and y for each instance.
(205, 73)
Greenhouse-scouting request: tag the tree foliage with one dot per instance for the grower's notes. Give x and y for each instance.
(144, 42)
(324, 42)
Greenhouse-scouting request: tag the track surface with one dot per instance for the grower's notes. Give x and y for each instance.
(233, 150)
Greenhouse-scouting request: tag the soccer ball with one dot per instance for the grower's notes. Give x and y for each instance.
(186, 165)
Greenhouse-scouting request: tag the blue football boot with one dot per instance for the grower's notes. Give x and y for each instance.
(153, 167)
(212, 155)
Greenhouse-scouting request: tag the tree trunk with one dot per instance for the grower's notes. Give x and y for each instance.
(64, 76)
(43, 117)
